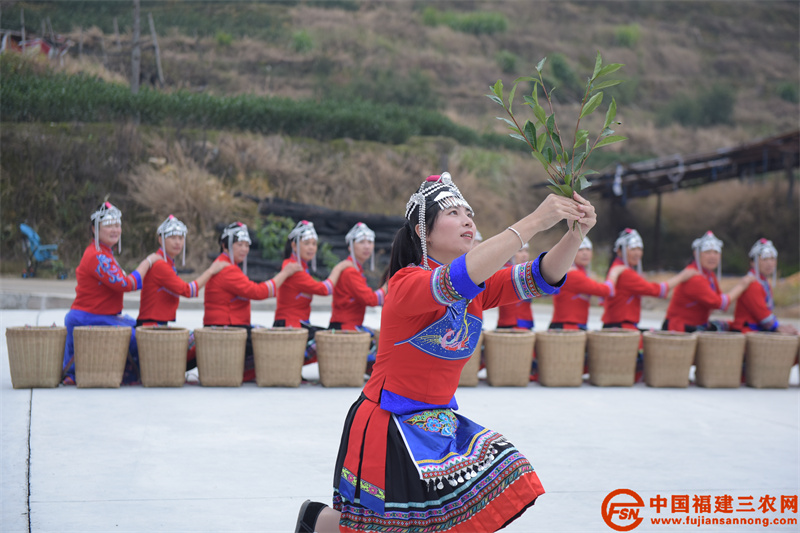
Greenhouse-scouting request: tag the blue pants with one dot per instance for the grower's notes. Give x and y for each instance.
(82, 318)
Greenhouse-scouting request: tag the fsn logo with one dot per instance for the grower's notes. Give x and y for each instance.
(621, 510)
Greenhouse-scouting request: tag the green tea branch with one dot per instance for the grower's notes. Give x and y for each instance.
(565, 165)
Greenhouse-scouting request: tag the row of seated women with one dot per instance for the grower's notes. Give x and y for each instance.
(228, 290)
(695, 296)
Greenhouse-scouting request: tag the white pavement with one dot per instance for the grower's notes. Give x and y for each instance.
(200, 459)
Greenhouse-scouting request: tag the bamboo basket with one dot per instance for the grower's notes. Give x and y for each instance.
(768, 360)
(509, 356)
(162, 355)
(668, 358)
(100, 355)
(612, 357)
(718, 360)
(561, 355)
(278, 354)
(220, 355)
(342, 357)
(35, 355)
(469, 374)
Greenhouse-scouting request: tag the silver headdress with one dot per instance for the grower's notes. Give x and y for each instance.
(360, 232)
(234, 233)
(107, 215)
(439, 190)
(707, 242)
(585, 244)
(303, 231)
(764, 248)
(172, 226)
(629, 238)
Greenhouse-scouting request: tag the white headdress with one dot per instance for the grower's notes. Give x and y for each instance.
(303, 231)
(360, 232)
(107, 215)
(628, 239)
(707, 242)
(585, 243)
(764, 248)
(232, 233)
(439, 190)
(172, 226)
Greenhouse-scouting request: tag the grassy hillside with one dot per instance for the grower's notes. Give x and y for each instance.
(699, 76)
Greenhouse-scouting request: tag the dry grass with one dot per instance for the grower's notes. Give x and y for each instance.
(177, 185)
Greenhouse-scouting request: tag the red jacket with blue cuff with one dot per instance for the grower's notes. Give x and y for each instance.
(101, 282)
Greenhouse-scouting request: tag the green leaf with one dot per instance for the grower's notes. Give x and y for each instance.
(529, 101)
(608, 69)
(518, 136)
(495, 99)
(548, 154)
(609, 83)
(580, 137)
(610, 114)
(607, 132)
(530, 131)
(541, 140)
(541, 158)
(539, 113)
(540, 65)
(592, 104)
(551, 128)
(509, 122)
(584, 183)
(610, 140)
(566, 190)
(511, 97)
(498, 89)
(556, 189)
(598, 63)
(554, 182)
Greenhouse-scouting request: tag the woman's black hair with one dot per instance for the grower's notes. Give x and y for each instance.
(406, 246)
(287, 250)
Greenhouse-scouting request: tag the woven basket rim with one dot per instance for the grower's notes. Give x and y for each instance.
(554, 333)
(280, 331)
(161, 328)
(340, 332)
(614, 332)
(780, 337)
(36, 328)
(720, 334)
(221, 329)
(660, 334)
(511, 332)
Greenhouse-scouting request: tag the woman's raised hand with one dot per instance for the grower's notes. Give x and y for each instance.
(555, 208)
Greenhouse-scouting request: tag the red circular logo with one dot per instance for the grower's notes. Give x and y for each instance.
(622, 514)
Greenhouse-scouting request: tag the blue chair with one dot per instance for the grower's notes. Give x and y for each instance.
(36, 252)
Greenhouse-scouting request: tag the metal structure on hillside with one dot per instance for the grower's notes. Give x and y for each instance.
(668, 174)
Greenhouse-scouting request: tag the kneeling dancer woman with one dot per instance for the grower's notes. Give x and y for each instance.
(407, 461)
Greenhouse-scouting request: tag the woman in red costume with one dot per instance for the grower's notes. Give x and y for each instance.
(517, 315)
(694, 299)
(352, 295)
(571, 302)
(162, 286)
(101, 284)
(407, 461)
(228, 294)
(624, 308)
(755, 307)
(293, 308)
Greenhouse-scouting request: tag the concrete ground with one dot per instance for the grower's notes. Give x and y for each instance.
(196, 458)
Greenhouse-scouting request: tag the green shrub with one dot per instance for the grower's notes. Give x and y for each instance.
(788, 91)
(302, 41)
(566, 78)
(386, 86)
(223, 39)
(627, 36)
(476, 22)
(507, 61)
(271, 234)
(710, 107)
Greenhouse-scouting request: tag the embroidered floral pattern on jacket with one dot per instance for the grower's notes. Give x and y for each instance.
(106, 265)
(437, 420)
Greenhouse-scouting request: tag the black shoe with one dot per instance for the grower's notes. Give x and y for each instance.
(307, 517)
